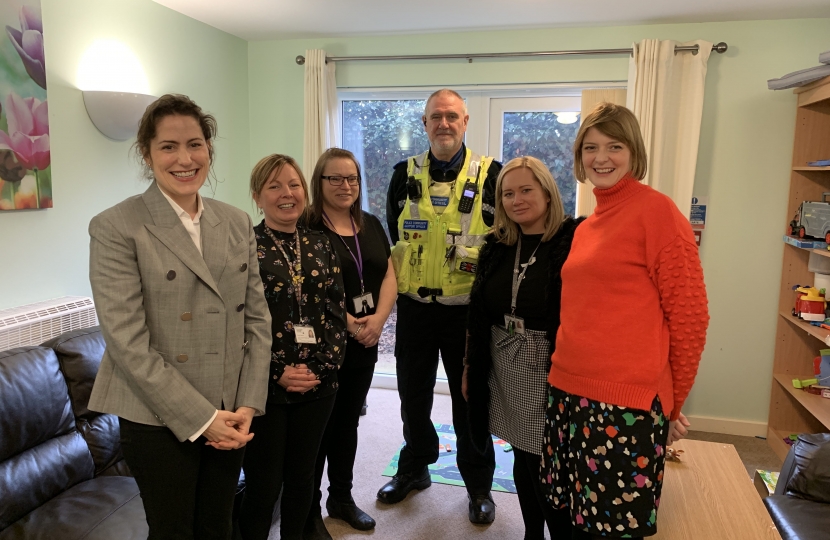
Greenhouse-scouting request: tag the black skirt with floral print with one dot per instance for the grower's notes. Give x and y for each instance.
(604, 463)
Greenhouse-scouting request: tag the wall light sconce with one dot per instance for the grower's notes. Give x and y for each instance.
(116, 114)
(115, 88)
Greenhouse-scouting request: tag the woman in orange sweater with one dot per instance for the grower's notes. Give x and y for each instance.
(633, 325)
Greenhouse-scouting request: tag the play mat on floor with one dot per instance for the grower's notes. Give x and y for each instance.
(445, 471)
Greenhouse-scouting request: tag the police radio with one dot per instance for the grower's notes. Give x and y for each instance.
(468, 197)
(414, 189)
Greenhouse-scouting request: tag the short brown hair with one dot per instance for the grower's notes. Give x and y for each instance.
(505, 229)
(620, 124)
(316, 208)
(170, 105)
(273, 164)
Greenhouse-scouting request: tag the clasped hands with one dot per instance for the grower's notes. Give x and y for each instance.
(230, 430)
(369, 335)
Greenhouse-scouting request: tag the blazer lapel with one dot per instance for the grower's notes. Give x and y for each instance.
(214, 240)
(168, 228)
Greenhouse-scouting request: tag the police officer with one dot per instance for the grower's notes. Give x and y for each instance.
(439, 207)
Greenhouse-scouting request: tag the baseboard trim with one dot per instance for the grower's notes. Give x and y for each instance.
(728, 426)
(390, 382)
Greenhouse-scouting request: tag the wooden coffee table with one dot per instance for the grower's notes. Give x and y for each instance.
(709, 495)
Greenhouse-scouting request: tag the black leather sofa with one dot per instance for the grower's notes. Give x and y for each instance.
(62, 475)
(800, 506)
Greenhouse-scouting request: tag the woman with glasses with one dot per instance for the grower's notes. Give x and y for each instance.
(304, 291)
(363, 250)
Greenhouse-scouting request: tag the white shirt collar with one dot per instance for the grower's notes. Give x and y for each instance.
(183, 213)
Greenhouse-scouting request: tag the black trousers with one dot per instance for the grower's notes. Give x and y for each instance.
(422, 331)
(339, 444)
(282, 455)
(536, 511)
(187, 487)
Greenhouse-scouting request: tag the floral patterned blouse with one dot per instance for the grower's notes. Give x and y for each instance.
(323, 308)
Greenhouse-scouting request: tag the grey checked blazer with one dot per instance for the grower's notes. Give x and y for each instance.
(185, 333)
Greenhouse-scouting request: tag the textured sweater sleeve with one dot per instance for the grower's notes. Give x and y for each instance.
(678, 275)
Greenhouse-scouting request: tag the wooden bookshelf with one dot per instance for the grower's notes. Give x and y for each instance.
(797, 342)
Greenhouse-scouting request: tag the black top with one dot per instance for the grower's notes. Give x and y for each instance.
(396, 196)
(538, 303)
(323, 305)
(374, 248)
(530, 305)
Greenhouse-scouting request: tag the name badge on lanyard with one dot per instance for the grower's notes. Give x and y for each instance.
(304, 334)
(363, 303)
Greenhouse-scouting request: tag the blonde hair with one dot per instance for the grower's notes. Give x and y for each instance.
(273, 164)
(505, 229)
(620, 124)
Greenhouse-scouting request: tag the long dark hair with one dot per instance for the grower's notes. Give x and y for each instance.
(316, 208)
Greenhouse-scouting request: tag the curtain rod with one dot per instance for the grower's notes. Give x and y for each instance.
(719, 48)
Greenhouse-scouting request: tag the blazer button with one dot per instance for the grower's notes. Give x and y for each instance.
(186, 316)
(182, 358)
(240, 307)
(171, 275)
(243, 267)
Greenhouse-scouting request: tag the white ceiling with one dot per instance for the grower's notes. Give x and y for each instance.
(283, 19)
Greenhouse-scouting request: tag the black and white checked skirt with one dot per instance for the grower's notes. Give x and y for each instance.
(519, 387)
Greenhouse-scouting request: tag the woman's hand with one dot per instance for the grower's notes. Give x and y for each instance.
(351, 324)
(224, 434)
(464, 384)
(372, 327)
(298, 379)
(678, 429)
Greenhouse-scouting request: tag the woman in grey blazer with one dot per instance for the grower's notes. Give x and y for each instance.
(176, 283)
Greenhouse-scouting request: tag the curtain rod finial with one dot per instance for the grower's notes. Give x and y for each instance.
(301, 59)
(721, 47)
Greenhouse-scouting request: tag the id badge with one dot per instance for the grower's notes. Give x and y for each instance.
(363, 303)
(304, 334)
(514, 325)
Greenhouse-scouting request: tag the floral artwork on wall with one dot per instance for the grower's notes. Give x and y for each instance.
(25, 172)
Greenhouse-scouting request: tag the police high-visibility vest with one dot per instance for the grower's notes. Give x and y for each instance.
(436, 256)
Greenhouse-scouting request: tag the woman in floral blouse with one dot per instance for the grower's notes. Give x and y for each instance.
(305, 294)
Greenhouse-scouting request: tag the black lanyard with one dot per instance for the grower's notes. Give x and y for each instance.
(295, 269)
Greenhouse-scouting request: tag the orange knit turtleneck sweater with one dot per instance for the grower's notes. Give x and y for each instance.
(634, 309)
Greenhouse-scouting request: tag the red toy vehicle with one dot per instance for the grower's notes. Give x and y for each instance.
(809, 304)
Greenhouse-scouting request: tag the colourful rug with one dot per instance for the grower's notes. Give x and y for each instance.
(445, 471)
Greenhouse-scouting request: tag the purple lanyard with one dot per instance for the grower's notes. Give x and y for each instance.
(358, 261)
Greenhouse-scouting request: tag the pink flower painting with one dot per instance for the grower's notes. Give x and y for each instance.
(25, 159)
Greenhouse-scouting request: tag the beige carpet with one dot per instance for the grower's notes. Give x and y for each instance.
(440, 512)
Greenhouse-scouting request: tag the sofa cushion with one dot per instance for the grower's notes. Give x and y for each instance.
(797, 519)
(103, 508)
(79, 353)
(810, 478)
(41, 453)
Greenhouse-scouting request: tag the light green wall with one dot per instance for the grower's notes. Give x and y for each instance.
(44, 254)
(743, 164)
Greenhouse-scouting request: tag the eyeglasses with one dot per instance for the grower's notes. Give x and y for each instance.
(338, 180)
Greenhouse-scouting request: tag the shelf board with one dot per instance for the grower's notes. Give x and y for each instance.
(819, 333)
(775, 440)
(818, 406)
(822, 252)
(802, 169)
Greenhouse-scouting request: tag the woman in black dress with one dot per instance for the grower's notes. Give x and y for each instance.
(304, 291)
(363, 249)
(514, 316)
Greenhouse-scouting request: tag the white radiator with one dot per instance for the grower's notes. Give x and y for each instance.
(33, 324)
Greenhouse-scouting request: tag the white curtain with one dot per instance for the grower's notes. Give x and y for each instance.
(665, 91)
(585, 200)
(321, 118)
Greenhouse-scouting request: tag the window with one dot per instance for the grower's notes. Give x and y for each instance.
(384, 127)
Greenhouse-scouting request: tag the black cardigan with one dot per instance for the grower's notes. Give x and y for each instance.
(478, 324)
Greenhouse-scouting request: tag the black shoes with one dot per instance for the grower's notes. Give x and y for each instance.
(401, 484)
(482, 509)
(314, 528)
(350, 513)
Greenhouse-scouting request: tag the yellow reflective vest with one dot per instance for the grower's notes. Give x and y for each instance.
(436, 257)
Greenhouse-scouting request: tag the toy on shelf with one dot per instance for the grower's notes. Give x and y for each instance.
(809, 304)
(812, 219)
